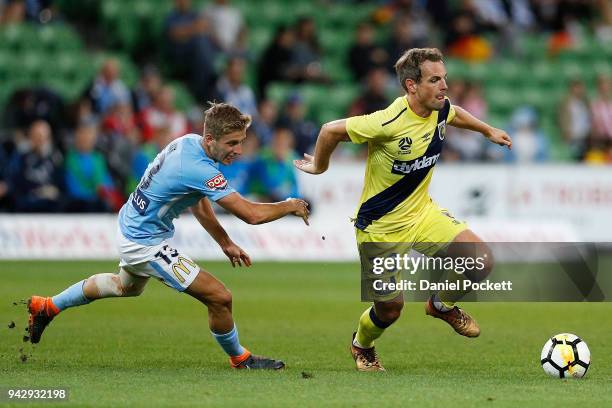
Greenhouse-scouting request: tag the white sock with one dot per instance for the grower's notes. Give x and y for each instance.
(439, 305)
(356, 344)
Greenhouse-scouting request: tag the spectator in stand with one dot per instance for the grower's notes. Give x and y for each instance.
(554, 15)
(600, 152)
(149, 83)
(190, 48)
(464, 41)
(402, 39)
(240, 173)
(456, 91)
(574, 118)
(120, 122)
(30, 104)
(306, 57)
(88, 182)
(119, 138)
(263, 123)
(232, 89)
(274, 168)
(601, 109)
(414, 15)
(226, 23)
(242, 48)
(303, 131)
(503, 16)
(602, 26)
(507, 19)
(41, 11)
(365, 55)
(145, 155)
(35, 175)
(276, 61)
(12, 12)
(108, 89)
(374, 96)
(464, 143)
(162, 116)
(529, 143)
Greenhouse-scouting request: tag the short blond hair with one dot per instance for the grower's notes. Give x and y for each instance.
(408, 66)
(222, 118)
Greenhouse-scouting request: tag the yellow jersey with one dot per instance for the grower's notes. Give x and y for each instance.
(403, 149)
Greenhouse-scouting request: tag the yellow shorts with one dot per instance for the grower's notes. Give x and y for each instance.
(435, 229)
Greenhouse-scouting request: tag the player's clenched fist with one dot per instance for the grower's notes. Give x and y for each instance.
(300, 208)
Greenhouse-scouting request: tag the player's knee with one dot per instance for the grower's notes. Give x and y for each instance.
(105, 285)
(102, 285)
(130, 285)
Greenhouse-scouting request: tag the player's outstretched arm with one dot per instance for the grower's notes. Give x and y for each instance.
(205, 215)
(466, 120)
(330, 135)
(260, 213)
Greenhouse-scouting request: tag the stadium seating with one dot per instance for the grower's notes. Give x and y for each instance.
(534, 77)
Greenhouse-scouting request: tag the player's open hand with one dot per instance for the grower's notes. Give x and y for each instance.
(300, 208)
(307, 165)
(500, 137)
(236, 255)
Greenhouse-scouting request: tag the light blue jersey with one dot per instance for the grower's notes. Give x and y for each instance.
(178, 178)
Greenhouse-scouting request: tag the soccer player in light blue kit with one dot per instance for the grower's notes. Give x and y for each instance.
(183, 175)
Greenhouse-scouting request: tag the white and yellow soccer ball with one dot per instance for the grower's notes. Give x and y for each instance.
(565, 356)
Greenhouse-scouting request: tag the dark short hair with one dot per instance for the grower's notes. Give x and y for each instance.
(408, 66)
(222, 118)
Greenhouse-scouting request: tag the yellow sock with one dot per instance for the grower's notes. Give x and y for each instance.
(450, 297)
(369, 331)
(446, 303)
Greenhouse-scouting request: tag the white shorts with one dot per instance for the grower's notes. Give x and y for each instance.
(173, 268)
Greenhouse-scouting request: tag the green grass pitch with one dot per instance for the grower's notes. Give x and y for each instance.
(156, 350)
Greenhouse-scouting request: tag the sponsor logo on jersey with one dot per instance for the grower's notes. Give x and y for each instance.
(406, 167)
(404, 145)
(442, 129)
(140, 202)
(425, 137)
(216, 183)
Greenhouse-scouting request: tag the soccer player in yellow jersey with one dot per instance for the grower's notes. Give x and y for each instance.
(404, 144)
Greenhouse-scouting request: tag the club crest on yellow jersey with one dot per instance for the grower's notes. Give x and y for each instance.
(442, 129)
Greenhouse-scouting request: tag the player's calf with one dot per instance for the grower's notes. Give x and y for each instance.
(218, 299)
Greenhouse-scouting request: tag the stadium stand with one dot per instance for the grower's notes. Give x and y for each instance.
(64, 54)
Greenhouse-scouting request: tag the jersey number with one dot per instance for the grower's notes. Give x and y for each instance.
(179, 263)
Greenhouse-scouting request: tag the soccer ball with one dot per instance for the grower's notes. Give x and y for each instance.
(565, 355)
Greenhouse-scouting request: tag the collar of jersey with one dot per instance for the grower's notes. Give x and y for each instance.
(411, 113)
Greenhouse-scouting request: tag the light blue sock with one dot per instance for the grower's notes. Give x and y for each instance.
(73, 296)
(229, 342)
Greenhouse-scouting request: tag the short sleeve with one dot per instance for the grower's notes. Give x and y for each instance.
(210, 183)
(451, 112)
(366, 128)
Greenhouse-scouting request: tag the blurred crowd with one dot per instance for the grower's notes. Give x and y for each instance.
(87, 155)
(584, 125)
